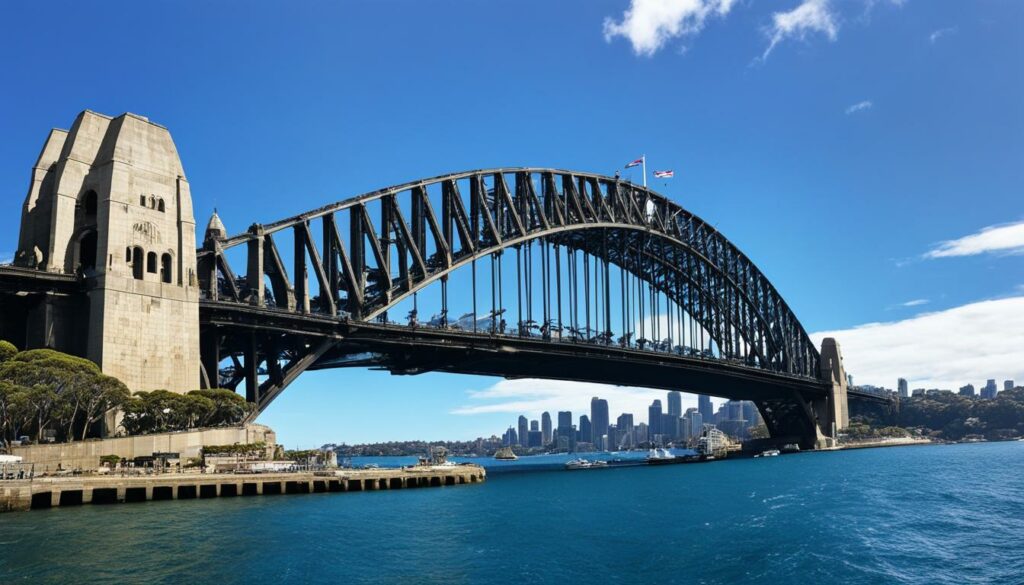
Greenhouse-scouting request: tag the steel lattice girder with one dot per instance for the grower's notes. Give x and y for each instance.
(625, 224)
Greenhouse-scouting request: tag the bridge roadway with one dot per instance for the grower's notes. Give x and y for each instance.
(402, 349)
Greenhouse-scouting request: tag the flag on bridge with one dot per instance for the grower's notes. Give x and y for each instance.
(663, 174)
(636, 163)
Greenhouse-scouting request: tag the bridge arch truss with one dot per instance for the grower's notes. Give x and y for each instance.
(354, 260)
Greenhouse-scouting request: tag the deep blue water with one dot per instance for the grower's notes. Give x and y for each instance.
(927, 515)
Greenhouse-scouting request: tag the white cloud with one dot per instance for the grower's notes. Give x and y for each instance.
(915, 303)
(938, 34)
(859, 107)
(811, 16)
(649, 24)
(1005, 239)
(944, 349)
(531, 397)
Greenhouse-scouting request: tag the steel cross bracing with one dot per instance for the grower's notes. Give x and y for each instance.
(618, 264)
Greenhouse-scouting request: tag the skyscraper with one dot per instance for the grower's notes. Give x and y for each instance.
(586, 431)
(566, 431)
(902, 387)
(1008, 385)
(675, 403)
(967, 390)
(534, 425)
(627, 437)
(654, 419)
(524, 438)
(545, 427)
(990, 390)
(696, 421)
(705, 409)
(599, 421)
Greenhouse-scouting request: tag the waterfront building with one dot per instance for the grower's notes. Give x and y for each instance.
(523, 431)
(902, 387)
(705, 408)
(545, 427)
(675, 403)
(654, 419)
(669, 427)
(967, 390)
(599, 421)
(990, 389)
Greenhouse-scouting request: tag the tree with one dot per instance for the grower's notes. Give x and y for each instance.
(229, 407)
(7, 350)
(96, 400)
(14, 409)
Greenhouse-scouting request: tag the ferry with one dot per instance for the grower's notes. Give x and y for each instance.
(505, 454)
(585, 464)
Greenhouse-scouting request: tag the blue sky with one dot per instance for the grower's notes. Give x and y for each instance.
(857, 162)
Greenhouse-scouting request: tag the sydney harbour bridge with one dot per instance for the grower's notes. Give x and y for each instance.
(512, 272)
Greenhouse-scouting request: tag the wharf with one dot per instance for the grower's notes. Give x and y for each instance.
(48, 492)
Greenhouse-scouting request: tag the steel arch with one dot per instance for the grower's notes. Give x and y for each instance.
(652, 237)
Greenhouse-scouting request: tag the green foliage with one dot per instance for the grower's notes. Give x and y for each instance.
(301, 455)
(954, 417)
(44, 389)
(162, 411)
(7, 350)
(240, 449)
(110, 461)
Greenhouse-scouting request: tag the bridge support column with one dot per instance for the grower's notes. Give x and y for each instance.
(832, 413)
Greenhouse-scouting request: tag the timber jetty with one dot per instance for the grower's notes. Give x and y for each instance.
(48, 492)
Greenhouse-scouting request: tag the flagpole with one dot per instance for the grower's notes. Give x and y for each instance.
(643, 157)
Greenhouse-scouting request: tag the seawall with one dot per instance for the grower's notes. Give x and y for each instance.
(75, 491)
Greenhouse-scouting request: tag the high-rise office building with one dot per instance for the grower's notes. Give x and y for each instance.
(545, 428)
(654, 419)
(1008, 385)
(902, 387)
(586, 430)
(641, 433)
(990, 390)
(510, 438)
(669, 427)
(534, 425)
(705, 408)
(599, 421)
(524, 429)
(696, 421)
(566, 432)
(751, 414)
(675, 403)
(534, 439)
(967, 390)
(626, 436)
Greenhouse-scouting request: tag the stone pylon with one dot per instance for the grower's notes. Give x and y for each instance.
(108, 200)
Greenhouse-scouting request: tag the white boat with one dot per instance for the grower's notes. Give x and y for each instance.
(585, 464)
(769, 453)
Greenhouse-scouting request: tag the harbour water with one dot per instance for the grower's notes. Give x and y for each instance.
(921, 515)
